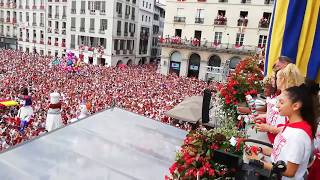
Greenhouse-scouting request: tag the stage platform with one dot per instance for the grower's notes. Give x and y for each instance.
(111, 145)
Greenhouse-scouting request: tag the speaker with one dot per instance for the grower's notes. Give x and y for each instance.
(206, 105)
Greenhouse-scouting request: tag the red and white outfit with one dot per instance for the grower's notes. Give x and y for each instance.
(54, 119)
(293, 145)
(273, 117)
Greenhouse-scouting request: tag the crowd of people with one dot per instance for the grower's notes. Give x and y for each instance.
(139, 89)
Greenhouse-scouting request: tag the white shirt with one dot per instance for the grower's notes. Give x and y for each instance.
(273, 117)
(292, 145)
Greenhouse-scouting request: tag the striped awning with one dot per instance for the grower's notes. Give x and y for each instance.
(295, 33)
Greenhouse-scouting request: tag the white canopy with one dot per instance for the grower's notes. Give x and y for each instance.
(114, 144)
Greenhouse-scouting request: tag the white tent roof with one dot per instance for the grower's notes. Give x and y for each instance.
(114, 144)
(189, 110)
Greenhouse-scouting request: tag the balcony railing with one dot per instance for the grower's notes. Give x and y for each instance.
(178, 43)
(91, 30)
(246, 1)
(220, 21)
(103, 12)
(119, 33)
(117, 51)
(49, 15)
(1, 4)
(34, 24)
(64, 17)
(131, 34)
(125, 33)
(82, 11)
(34, 41)
(270, 2)
(27, 7)
(49, 42)
(1, 19)
(41, 6)
(119, 15)
(223, 0)
(56, 31)
(133, 17)
(242, 22)
(41, 24)
(81, 29)
(73, 11)
(179, 19)
(124, 51)
(264, 23)
(199, 20)
(14, 20)
(126, 16)
(56, 16)
(73, 28)
(63, 32)
(101, 31)
(34, 7)
(41, 41)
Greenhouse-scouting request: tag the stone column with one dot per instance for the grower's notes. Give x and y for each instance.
(184, 68)
(202, 70)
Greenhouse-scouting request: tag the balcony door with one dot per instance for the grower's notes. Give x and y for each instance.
(197, 34)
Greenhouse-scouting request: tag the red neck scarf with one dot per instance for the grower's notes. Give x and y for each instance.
(301, 125)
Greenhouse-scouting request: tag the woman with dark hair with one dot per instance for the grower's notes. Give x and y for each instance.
(293, 144)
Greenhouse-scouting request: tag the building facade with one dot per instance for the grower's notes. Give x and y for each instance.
(200, 34)
(8, 24)
(157, 31)
(102, 32)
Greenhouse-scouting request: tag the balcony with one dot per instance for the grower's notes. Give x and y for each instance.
(63, 44)
(49, 15)
(91, 30)
(1, 4)
(221, 21)
(42, 7)
(1, 19)
(41, 41)
(82, 11)
(245, 1)
(118, 52)
(20, 39)
(27, 7)
(118, 33)
(14, 5)
(133, 17)
(8, 20)
(223, 1)
(130, 51)
(179, 19)
(27, 39)
(126, 16)
(49, 42)
(34, 24)
(14, 20)
(56, 44)
(14, 35)
(92, 12)
(41, 25)
(49, 30)
(34, 41)
(81, 29)
(8, 35)
(63, 32)
(124, 51)
(102, 31)
(56, 31)
(56, 16)
(103, 12)
(199, 20)
(268, 2)
(264, 23)
(242, 22)
(131, 34)
(73, 11)
(206, 46)
(64, 17)
(125, 33)
(34, 7)
(73, 28)
(20, 6)
(119, 15)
